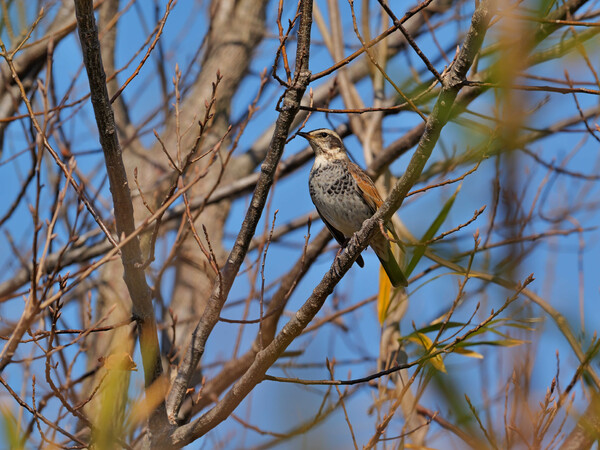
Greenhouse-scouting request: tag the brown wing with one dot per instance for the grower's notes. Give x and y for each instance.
(366, 187)
(369, 192)
(339, 236)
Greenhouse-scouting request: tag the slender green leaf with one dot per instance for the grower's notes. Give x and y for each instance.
(430, 233)
(498, 343)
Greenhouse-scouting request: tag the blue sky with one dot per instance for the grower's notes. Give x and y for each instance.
(280, 407)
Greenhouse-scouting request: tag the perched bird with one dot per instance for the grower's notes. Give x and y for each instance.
(345, 197)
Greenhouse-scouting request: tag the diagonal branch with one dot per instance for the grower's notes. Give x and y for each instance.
(265, 358)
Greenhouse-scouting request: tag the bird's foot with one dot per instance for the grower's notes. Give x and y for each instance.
(337, 268)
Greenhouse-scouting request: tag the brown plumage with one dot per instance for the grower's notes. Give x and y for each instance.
(345, 196)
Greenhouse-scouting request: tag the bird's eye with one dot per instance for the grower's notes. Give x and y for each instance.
(323, 134)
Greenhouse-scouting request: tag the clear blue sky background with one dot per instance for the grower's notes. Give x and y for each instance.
(279, 407)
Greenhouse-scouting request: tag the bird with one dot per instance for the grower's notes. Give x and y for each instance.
(345, 196)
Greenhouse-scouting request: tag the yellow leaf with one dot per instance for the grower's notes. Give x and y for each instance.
(469, 353)
(436, 361)
(385, 295)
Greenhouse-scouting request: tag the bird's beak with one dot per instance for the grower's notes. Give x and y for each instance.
(306, 136)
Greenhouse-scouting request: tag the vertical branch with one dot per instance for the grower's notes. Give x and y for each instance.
(131, 255)
(290, 104)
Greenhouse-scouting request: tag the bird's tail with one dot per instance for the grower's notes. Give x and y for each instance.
(391, 267)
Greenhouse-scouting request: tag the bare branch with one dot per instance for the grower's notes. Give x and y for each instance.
(131, 258)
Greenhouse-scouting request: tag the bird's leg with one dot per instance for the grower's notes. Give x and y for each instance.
(337, 268)
(336, 262)
(357, 239)
(344, 244)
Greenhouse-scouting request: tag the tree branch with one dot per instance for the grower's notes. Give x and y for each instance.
(265, 358)
(290, 106)
(131, 255)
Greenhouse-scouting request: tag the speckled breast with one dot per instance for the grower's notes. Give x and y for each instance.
(335, 194)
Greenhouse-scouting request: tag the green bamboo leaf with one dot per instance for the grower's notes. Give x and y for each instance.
(498, 343)
(431, 231)
(492, 327)
(524, 324)
(492, 330)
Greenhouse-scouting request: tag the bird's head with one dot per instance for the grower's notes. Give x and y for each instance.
(325, 143)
